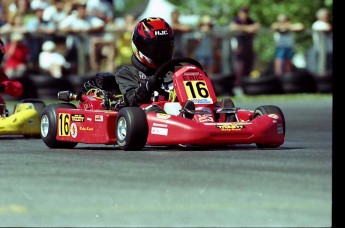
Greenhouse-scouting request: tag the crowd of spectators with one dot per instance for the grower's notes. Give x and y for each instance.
(77, 25)
(76, 32)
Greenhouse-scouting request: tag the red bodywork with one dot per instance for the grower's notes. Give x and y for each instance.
(90, 124)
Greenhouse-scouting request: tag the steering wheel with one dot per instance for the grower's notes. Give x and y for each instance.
(167, 70)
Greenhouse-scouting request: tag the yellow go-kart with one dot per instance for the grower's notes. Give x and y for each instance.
(25, 119)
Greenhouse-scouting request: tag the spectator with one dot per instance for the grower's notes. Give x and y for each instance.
(285, 44)
(204, 51)
(52, 62)
(39, 31)
(124, 41)
(17, 7)
(113, 48)
(2, 14)
(77, 24)
(323, 40)
(245, 29)
(179, 31)
(100, 8)
(17, 56)
(15, 25)
(37, 24)
(39, 4)
(55, 12)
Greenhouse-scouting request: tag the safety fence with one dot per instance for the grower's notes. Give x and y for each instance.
(109, 50)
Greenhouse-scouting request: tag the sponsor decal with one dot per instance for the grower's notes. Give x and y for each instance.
(159, 131)
(86, 128)
(205, 118)
(74, 130)
(98, 118)
(31, 122)
(161, 33)
(159, 125)
(274, 116)
(225, 124)
(86, 106)
(77, 118)
(88, 119)
(206, 110)
(142, 75)
(163, 116)
(230, 127)
(202, 101)
(280, 129)
(190, 76)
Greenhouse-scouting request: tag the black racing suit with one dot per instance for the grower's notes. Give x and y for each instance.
(137, 83)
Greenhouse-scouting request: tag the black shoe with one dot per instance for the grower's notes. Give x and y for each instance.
(228, 103)
(188, 110)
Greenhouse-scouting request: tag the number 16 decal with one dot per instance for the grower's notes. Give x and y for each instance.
(63, 125)
(196, 89)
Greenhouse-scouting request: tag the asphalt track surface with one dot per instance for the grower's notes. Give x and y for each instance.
(241, 186)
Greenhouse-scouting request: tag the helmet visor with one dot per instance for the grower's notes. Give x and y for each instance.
(159, 51)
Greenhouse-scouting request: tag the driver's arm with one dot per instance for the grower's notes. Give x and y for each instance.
(136, 91)
(10, 87)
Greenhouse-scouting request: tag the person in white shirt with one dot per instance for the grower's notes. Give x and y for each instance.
(322, 34)
(55, 12)
(51, 61)
(81, 28)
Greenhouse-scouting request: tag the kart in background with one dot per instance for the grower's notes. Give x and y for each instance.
(25, 119)
(189, 115)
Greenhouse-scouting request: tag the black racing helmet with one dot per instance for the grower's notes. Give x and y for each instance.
(153, 42)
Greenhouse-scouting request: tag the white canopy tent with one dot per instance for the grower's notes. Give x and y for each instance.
(158, 8)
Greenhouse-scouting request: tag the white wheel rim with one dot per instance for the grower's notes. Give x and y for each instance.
(121, 129)
(44, 125)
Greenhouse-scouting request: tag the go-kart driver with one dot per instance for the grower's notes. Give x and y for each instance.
(7, 86)
(152, 45)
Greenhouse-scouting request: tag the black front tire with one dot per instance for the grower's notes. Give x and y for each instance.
(49, 126)
(269, 109)
(131, 128)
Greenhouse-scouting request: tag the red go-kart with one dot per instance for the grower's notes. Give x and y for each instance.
(190, 115)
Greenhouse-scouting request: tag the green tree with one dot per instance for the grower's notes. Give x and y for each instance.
(263, 11)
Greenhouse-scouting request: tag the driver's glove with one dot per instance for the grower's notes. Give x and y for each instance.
(153, 84)
(147, 88)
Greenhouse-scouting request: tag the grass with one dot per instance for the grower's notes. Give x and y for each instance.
(284, 97)
(279, 97)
